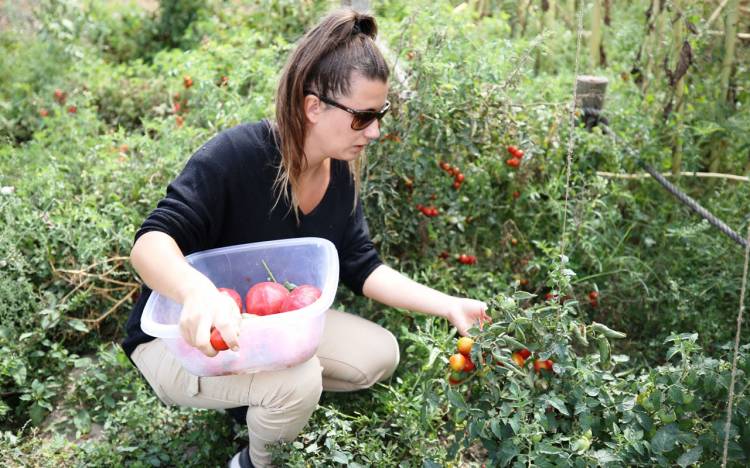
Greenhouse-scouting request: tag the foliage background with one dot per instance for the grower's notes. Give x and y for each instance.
(81, 182)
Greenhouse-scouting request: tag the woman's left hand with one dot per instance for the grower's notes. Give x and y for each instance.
(465, 313)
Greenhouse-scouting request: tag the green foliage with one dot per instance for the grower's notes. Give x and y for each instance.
(101, 104)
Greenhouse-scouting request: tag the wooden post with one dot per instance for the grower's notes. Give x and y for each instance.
(590, 92)
(595, 41)
(730, 40)
(676, 57)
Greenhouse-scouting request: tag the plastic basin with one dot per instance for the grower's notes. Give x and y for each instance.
(268, 342)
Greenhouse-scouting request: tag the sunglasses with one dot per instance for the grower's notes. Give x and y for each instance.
(362, 119)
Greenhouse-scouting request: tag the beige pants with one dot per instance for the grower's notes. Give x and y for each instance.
(354, 354)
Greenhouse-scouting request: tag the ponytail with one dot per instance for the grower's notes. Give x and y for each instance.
(323, 62)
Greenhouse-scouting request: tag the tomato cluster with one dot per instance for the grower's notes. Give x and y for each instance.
(521, 356)
(515, 156)
(458, 176)
(460, 363)
(267, 298)
(467, 259)
(429, 211)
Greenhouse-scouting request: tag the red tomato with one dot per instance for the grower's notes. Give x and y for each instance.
(513, 162)
(457, 362)
(265, 298)
(460, 177)
(217, 341)
(464, 345)
(300, 297)
(525, 353)
(518, 359)
(593, 295)
(469, 365)
(234, 295)
(540, 365)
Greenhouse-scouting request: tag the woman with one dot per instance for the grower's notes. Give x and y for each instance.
(256, 182)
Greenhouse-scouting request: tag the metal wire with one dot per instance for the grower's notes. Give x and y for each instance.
(679, 194)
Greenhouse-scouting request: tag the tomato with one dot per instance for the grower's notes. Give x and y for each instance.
(516, 194)
(513, 162)
(455, 378)
(265, 298)
(457, 362)
(525, 353)
(469, 365)
(463, 258)
(445, 166)
(460, 177)
(518, 154)
(234, 295)
(456, 185)
(540, 364)
(217, 341)
(187, 81)
(512, 150)
(593, 295)
(518, 359)
(464, 345)
(300, 297)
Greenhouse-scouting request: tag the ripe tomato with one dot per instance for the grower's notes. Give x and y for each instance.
(513, 162)
(456, 185)
(460, 177)
(518, 154)
(187, 81)
(518, 359)
(234, 295)
(457, 362)
(540, 365)
(512, 150)
(265, 298)
(469, 365)
(300, 297)
(445, 166)
(525, 353)
(464, 345)
(593, 295)
(217, 341)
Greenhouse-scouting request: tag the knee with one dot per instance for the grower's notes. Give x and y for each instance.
(382, 363)
(304, 385)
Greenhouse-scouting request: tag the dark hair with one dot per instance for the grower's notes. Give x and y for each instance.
(323, 61)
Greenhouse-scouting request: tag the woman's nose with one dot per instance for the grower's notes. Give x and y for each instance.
(372, 131)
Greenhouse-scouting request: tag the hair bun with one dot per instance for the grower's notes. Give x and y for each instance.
(364, 24)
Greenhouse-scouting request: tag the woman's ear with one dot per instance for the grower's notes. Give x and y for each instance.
(313, 108)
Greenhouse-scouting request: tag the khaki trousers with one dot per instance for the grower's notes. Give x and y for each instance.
(354, 354)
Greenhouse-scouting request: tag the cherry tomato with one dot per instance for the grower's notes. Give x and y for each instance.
(217, 341)
(457, 362)
(464, 345)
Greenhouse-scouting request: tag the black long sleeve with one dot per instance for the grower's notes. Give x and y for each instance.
(224, 196)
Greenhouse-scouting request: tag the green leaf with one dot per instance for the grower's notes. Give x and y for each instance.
(665, 439)
(690, 457)
(508, 451)
(559, 405)
(523, 295)
(78, 325)
(455, 398)
(339, 457)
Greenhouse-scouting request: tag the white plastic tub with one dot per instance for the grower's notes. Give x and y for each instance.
(266, 343)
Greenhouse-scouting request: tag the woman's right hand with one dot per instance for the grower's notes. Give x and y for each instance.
(203, 308)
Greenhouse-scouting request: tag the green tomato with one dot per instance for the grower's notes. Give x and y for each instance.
(667, 417)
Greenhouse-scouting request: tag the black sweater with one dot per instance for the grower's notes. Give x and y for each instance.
(224, 196)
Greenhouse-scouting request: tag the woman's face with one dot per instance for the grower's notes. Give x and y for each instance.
(330, 130)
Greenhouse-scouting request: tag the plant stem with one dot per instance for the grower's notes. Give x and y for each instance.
(268, 270)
